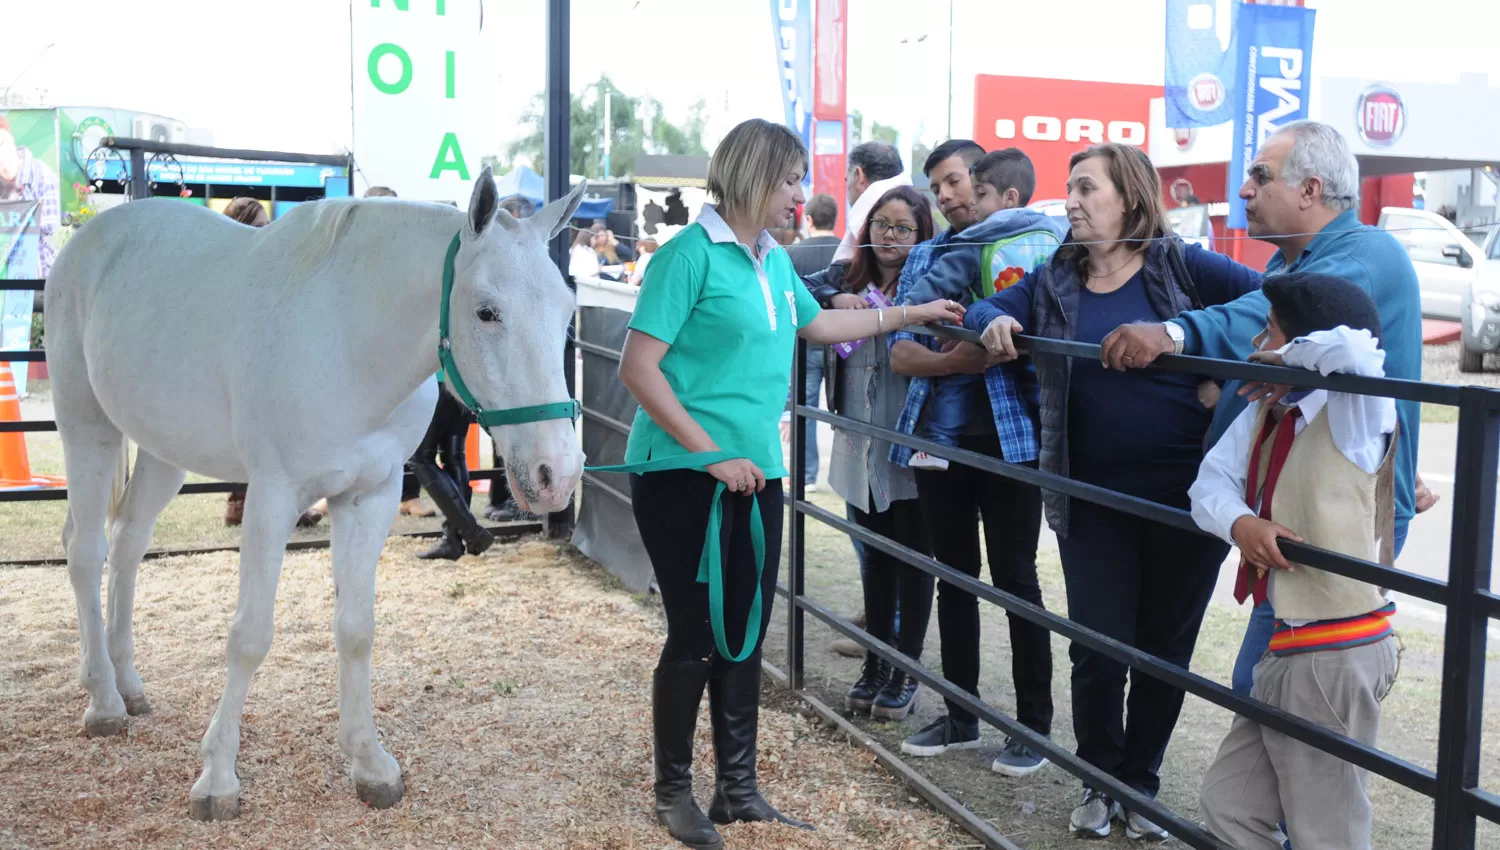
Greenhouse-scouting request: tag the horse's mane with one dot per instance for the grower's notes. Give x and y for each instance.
(316, 231)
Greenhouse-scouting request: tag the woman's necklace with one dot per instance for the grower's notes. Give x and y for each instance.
(1096, 276)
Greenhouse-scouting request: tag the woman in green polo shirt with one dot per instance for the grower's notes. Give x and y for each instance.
(709, 359)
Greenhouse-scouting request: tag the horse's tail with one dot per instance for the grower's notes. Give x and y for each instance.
(119, 484)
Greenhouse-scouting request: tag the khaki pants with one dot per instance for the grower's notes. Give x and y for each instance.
(1262, 778)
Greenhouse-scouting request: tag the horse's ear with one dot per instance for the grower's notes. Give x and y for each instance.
(552, 218)
(484, 201)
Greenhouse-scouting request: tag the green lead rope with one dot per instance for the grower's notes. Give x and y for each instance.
(711, 562)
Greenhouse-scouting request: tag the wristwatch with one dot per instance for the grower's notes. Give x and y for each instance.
(1174, 331)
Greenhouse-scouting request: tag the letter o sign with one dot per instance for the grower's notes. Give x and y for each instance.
(381, 51)
(1128, 133)
(1041, 128)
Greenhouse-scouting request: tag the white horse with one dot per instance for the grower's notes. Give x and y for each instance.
(298, 358)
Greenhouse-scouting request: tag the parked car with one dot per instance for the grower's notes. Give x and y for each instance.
(1446, 260)
(1480, 309)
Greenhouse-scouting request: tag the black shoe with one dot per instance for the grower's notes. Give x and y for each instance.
(450, 548)
(1017, 759)
(896, 700)
(477, 539)
(942, 735)
(676, 691)
(871, 678)
(734, 708)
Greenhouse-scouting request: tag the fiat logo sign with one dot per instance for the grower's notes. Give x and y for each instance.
(1380, 116)
(1206, 92)
(1184, 137)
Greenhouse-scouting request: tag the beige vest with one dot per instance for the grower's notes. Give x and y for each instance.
(1332, 504)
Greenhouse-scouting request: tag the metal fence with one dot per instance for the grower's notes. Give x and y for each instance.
(1453, 787)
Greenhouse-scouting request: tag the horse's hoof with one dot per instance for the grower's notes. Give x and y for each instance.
(103, 727)
(380, 795)
(214, 808)
(137, 705)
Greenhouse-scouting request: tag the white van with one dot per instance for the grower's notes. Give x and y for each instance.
(1446, 259)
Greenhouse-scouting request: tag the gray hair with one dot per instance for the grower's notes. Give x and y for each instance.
(1320, 151)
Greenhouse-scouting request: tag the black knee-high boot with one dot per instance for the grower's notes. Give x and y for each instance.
(460, 529)
(676, 691)
(734, 707)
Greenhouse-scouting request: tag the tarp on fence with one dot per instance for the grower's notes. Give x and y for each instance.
(606, 530)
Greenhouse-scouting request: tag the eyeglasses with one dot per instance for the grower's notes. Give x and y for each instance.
(880, 227)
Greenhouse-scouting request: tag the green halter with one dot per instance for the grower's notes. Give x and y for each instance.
(487, 418)
(710, 563)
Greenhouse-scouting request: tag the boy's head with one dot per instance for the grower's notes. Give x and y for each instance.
(1003, 180)
(1303, 302)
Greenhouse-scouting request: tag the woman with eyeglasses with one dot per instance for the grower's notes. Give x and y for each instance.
(881, 495)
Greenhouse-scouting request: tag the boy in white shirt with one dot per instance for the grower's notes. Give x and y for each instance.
(1316, 468)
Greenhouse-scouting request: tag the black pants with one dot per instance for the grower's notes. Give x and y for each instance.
(499, 486)
(887, 579)
(445, 438)
(952, 503)
(671, 512)
(1146, 585)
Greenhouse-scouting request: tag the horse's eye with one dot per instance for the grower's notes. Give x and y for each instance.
(487, 314)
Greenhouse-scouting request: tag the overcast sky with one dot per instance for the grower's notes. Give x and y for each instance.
(274, 74)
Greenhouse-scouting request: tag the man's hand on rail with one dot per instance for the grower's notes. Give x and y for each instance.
(1134, 346)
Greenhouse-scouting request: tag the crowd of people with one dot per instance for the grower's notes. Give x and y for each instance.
(1337, 296)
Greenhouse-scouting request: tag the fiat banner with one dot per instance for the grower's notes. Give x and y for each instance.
(1200, 62)
(1273, 49)
(792, 26)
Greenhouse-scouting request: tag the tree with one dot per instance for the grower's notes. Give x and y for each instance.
(637, 125)
(877, 132)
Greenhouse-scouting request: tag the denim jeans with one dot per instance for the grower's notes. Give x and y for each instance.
(1258, 637)
(948, 407)
(810, 391)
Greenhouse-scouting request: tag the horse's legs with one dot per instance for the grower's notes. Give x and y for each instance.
(271, 509)
(153, 484)
(360, 526)
(91, 448)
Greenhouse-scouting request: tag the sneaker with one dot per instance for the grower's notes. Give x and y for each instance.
(896, 700)
(1138, 827)
(872, 678)
(1091, 818)
(942, 735)
(923, 460)
(1017, 759)
(810, 488)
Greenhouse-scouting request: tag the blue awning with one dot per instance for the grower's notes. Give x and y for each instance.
(528, 184)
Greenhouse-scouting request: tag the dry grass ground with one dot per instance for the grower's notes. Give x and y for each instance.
(514, 689)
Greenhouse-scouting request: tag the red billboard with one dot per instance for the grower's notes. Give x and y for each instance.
(830, 91)
(1053, 119)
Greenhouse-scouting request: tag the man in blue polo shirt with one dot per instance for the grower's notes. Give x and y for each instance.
(1302, 196)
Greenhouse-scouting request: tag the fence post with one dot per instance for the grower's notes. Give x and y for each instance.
(140, 182)
(795, 543)
(559, 525)
(1470, 549)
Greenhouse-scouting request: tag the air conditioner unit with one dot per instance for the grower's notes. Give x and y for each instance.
(158, 129)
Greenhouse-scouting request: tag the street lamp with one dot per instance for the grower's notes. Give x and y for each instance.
(5, 98)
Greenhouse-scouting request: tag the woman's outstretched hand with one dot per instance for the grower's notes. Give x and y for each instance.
(936, 313)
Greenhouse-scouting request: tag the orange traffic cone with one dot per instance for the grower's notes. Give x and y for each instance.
(15, 467)
(471, 457)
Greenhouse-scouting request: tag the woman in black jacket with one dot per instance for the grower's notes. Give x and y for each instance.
(1139, 432)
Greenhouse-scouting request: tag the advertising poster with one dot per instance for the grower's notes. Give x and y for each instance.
(1200, 62)
(1272, 81)
(422, 96)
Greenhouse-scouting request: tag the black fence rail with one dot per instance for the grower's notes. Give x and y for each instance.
(1453, 786)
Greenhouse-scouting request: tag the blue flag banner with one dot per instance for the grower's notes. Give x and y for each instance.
(791, 23)
(1271, 85)
(1200, 62)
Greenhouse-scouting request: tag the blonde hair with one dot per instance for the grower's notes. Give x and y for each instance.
(748, 166)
